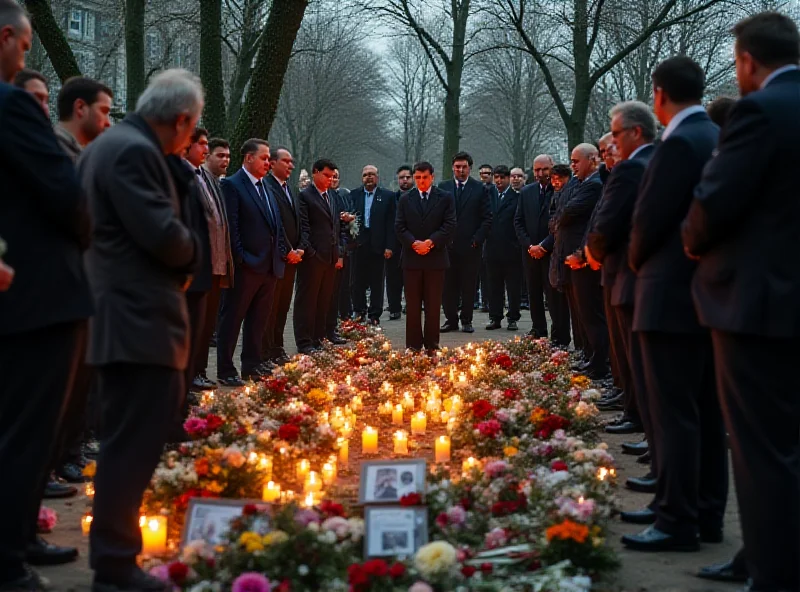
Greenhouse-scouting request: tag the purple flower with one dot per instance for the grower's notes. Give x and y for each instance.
(457, 515)
(251, 582)
(195, 425)
(161, 572)
(306, 517)
(496, 468)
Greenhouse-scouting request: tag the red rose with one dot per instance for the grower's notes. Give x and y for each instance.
(411, 499)
(442, 520)
(295, 420)
(468, 571)
(549, 376)
(288, 432)
(559, 465)
(511, 393)
(331, 508)
(465, 503)
(482, 408)
(397, 570)
(213, 422)
(489, 429)
(241, 431)
(249, 509)
(178, 572)
(284, 586)
(487, 568)
(376, 567)
(357, 576)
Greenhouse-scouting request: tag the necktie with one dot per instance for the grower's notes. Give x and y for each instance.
(262, 192)
(288, 195)
(459, 189)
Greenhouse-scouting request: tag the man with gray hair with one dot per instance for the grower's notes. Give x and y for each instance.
(140, 262)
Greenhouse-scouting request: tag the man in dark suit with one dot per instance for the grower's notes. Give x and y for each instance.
(474, 212)
(342, 291)
(394, 268)
(503, 253)
(586, 295)
(375, 208)
(43, 311)
(425, 224)
(316, 274)
(633, 127)
(747, 290)
(139, 263)
(260, 253)
(691, 487)
(281, 167)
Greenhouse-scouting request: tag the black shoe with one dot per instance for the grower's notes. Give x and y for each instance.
(711, 534)
(730, 571)
(41, 552)
(645, 458)
(336, 339)
(30, 581)
(136, 581)
(360, 318)
(512, 326)
(281, 360)
(625, 427)
(393, 316)
(374, 322)
(581, 366)
(91, 448)
(234, 381)
(71, 473)
(467, 328)
(494, 325)
(309, 350)
(534, 333)
(201, 382)
(635, 448)
(645, 516)
(646, 484)
(652, 539)
(447, 327)
(524, 306)
(613, 403)
(484, 308)
(598, 375)
(55, 489)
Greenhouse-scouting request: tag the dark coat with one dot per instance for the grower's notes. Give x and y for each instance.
(559, 276)
(290, 215)
(573, 218)
(43, 219)
(142, 251)
(474, 215)
(256, 244)
(502, 244)
(532, 218)
(381, 219)
(320, 223)
(663, 300)
(197, 219)
(609, 235)
(213, 184)
(437, 223)
(744, 221)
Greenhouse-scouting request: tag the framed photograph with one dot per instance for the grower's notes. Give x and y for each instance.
(209, 519)
(386, 481)
(393, 531)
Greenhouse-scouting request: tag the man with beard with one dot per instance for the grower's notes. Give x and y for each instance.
(219, 157)
(394, 268)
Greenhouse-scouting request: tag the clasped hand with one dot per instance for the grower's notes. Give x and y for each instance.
(422, 247)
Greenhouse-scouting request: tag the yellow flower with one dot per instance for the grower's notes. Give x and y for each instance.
(251, 541)
(90, 470)
(317, 397)
(581, 382)
(538, 415)
(214, 487)
(435, 558)
(215, 470)
(510, 451)
(276, 537)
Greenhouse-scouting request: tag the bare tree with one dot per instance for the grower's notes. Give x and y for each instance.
(53, 39)
(211, 65)
(134, 50)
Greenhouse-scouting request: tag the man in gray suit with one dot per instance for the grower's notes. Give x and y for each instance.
(140, 262)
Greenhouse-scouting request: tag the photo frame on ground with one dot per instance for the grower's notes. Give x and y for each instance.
(386, 481)
(394, 531)
(209, 519)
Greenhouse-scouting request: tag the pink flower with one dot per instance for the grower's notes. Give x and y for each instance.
(457, 515)
(47, 518)
(195, 426)
(161, 572)
(251, 582)
(420, 587)
(502, 415)
(306, 517)
(496, 468)
(489, 429)
(495, 538)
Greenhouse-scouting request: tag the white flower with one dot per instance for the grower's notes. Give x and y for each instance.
(356, 528)
(435, 558)
(302, 570)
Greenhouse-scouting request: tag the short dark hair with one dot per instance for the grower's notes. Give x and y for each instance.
(251, 146)
(501, 170)
(561, 170)
(463, 156)
(198, 133)
(274, 152)
(485, 166)
(403, 167)
(11, 13)
(215, 143)
(770, 37)
(681, 78)
(423, 166)
(26, 74)
(323, 163)
(78, 87)
(719, 109)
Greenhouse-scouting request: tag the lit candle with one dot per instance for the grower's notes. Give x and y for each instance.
(452, 374)
(252, 458)
(400, 442)
(451, 425)
(271, 492)
(473, 369)
(448, 404)
(444, 417)
(348, 380)
(344, 450)
(347, 429)
(247, 390)
(462, 377)
(356, 404)
(442, 449)
(154, 535)
(397, 415)
(309, 501)
(89, 490)
(408, 401)
(386, 408)
(468, 465)
(369, 440)
(331, 387)
(86, 523)
(312, 483)
(265, 464)
(419, 421)
(303, 467)
(456, 404)
(329, 472)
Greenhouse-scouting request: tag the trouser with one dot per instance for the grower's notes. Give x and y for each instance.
(423, 287)
(368, 274)
(345, 287)
(209, 326)
(614, 340)
(524, 284)
(578, 334)
(483, 289)
(537, 278)
(505, 277)
(137, 402)
(589, 303)
(332, 318)
(272, 343)
(558, 306)
(762, 416)
(692, 479)
(315, 281)
(197, 304)
(76, 420)
(394, 283)
(459, 285)
(642, 401)
(32, 403)
(622, 317)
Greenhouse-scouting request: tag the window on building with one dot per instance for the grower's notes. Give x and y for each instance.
(76, 23)
(88, 29)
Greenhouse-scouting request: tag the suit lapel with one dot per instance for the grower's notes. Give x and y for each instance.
(251, 190)
(433, 199)
(416, 200)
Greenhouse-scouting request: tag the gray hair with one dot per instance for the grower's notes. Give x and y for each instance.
(11, 13)
(636, 114)
(606, 138)
(588, 150)
(543, 157)
(169, 95)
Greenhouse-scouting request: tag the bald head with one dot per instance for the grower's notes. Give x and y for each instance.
(517, 178)
(542, 167)
(369, 177)
(584, 160)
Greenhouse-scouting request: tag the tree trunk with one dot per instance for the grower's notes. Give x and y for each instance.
(53, 39)
(134, 51)
(452, 130)
(261, 102)
(211, 66)
(244, 63)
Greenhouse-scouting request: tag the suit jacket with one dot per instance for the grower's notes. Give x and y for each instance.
(437, 222)
(142, 251)
(559, 276)
(43, 219)
(502, 244)
(290, 215)
(198, 222)
(216, 193)
(745, 226)
(320, 222)
(381, 219)
(532, 218)
(573, 218)
(611, 229)
(663, 300)
(342, 203)
(257, 243)
(474, 214)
